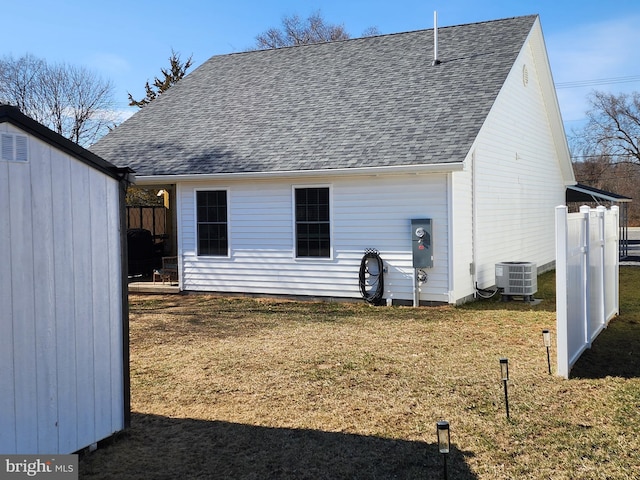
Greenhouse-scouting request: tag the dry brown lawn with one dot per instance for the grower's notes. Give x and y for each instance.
(245, 388)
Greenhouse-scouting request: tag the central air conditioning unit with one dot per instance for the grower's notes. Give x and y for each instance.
(517, 279)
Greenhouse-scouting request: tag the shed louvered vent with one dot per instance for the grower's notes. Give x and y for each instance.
(14, 147)
(517, 278)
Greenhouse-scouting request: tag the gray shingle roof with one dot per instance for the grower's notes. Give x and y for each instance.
(369, 102)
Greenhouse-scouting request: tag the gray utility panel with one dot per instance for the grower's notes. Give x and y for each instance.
(421, 243)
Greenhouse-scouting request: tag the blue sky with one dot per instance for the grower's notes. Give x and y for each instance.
(127, 41)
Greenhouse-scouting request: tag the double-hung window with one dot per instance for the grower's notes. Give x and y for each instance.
(313, 228)
(211, 206)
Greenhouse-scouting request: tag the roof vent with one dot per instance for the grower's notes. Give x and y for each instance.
(436, 60)
(14, 148)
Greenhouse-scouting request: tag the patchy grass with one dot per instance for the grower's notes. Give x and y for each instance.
(241, 388)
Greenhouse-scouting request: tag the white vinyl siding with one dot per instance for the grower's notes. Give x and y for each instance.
(519, 179)
(61, 385)
(461, 243)
(366, 212)
(499, 208)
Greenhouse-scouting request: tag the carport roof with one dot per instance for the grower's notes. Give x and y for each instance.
(584, 193)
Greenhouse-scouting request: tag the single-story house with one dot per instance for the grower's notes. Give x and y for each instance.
(286, 166)
(64, 338)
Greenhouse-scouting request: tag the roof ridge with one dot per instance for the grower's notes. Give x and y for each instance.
(354, 39)
(377, 102)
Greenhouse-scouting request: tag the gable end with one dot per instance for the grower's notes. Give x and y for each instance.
(14, 147)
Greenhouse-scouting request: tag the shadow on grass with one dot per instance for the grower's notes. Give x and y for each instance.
(615, 353)
(517, 304)
(157, 447)
(545, 298)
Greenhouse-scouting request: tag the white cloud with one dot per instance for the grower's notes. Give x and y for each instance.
(123, 114)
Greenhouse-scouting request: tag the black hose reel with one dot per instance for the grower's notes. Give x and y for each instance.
(371, 277)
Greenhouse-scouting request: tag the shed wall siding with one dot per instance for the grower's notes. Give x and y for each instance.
(366, 212)
(519, 181)
(61, 330)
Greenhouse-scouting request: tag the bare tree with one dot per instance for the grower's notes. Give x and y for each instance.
(608, 147)
(70, 100)
(613, 127)
(172, 75)
(79, 102)
(296, 31)
(593, 171)
(619, 177)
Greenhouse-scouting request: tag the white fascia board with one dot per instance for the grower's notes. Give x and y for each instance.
(329, 172)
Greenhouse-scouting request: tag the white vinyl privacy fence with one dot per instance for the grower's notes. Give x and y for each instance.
(587, 264)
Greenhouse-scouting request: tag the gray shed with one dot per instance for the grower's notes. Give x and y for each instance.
(64, 351)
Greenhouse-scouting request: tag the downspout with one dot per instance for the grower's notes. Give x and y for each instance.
(125, 178)
(474, 227)
(451, 241)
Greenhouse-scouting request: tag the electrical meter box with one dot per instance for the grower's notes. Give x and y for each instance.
(421, 243)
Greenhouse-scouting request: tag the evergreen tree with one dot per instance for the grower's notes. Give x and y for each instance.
(170, 76)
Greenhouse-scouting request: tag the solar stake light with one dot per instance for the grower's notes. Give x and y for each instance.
(444, 442)
(546, 336)
(444, 438)
(504, 368)
(504, 373)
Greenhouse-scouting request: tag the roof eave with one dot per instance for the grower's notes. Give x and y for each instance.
(328, 172)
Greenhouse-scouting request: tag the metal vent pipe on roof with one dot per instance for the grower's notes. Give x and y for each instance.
(436, 60)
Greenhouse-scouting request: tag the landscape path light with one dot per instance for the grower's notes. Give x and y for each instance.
(546, 336)
(504, 373)
(444, 442)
